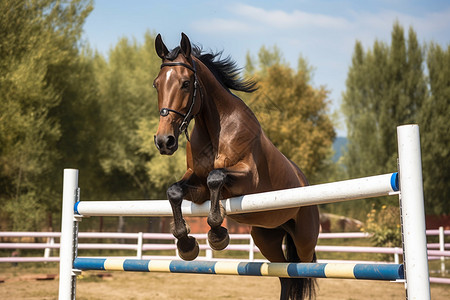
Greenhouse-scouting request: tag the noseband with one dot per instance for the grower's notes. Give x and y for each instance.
(188, 116)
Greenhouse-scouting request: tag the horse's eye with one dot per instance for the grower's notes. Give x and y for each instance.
(186, 84)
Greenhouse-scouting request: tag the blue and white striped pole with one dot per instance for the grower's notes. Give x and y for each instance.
(294, 270)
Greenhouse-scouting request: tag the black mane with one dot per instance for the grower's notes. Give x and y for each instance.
(225, 70)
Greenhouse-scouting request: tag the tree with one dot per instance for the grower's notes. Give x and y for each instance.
(128, 102)
(435, 131)
(293, 113)
(387, 87)
(38, 44)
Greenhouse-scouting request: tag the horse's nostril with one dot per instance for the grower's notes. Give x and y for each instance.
(156, 142)
(171, 142)
(161, 143)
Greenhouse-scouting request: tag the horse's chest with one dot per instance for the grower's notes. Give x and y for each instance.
(206, 159)
(203, 159)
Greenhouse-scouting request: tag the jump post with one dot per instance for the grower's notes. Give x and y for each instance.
(407, 183)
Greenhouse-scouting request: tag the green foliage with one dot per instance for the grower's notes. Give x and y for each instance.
(129, 106)
(384, 225)
(435, 131)
(387, 87)
(38, 50)
(25, 212)
(293, 113)
(61, 107)
(65, 107)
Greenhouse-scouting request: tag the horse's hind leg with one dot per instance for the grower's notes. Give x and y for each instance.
(304, 231)
(269, 242)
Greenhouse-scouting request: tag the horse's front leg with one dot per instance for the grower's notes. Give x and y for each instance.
(236, 179)
(188, 248)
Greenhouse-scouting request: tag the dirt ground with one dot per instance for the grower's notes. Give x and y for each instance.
(131, 285)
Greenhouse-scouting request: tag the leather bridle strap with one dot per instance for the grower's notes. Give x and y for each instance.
(173, 64)
(188, 116)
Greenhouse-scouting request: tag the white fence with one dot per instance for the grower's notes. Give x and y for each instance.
(166, 241)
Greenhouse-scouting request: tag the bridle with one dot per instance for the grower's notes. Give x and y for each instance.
(187, 118)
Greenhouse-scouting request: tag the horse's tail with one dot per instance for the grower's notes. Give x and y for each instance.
(296, 288)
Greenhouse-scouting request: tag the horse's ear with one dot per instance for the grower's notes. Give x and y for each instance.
(160, 48)
(185, 45)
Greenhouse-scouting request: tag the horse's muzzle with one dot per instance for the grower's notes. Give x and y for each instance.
(166, 144)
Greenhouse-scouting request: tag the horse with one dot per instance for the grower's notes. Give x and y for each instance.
(228, 155)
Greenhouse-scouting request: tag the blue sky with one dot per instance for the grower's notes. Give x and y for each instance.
(324, 31)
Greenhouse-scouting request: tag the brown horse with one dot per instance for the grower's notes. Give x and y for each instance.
(228, 155)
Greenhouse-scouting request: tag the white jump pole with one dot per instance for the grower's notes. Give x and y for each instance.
(360, 188)
(67, 279)
(413, 213)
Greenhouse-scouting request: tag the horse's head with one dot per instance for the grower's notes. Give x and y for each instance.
(177, 86)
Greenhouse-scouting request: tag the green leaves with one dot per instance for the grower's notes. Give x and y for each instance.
(435, 131)
(38, 51)
(128, 103)
(386, 87)
(293, 114)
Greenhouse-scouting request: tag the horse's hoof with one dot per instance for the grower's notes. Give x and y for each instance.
(218, 238)
(188, 248)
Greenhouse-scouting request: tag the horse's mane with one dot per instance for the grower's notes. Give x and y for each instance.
(225, 70)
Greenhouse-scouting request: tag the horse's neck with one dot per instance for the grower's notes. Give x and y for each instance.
(217, 104)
